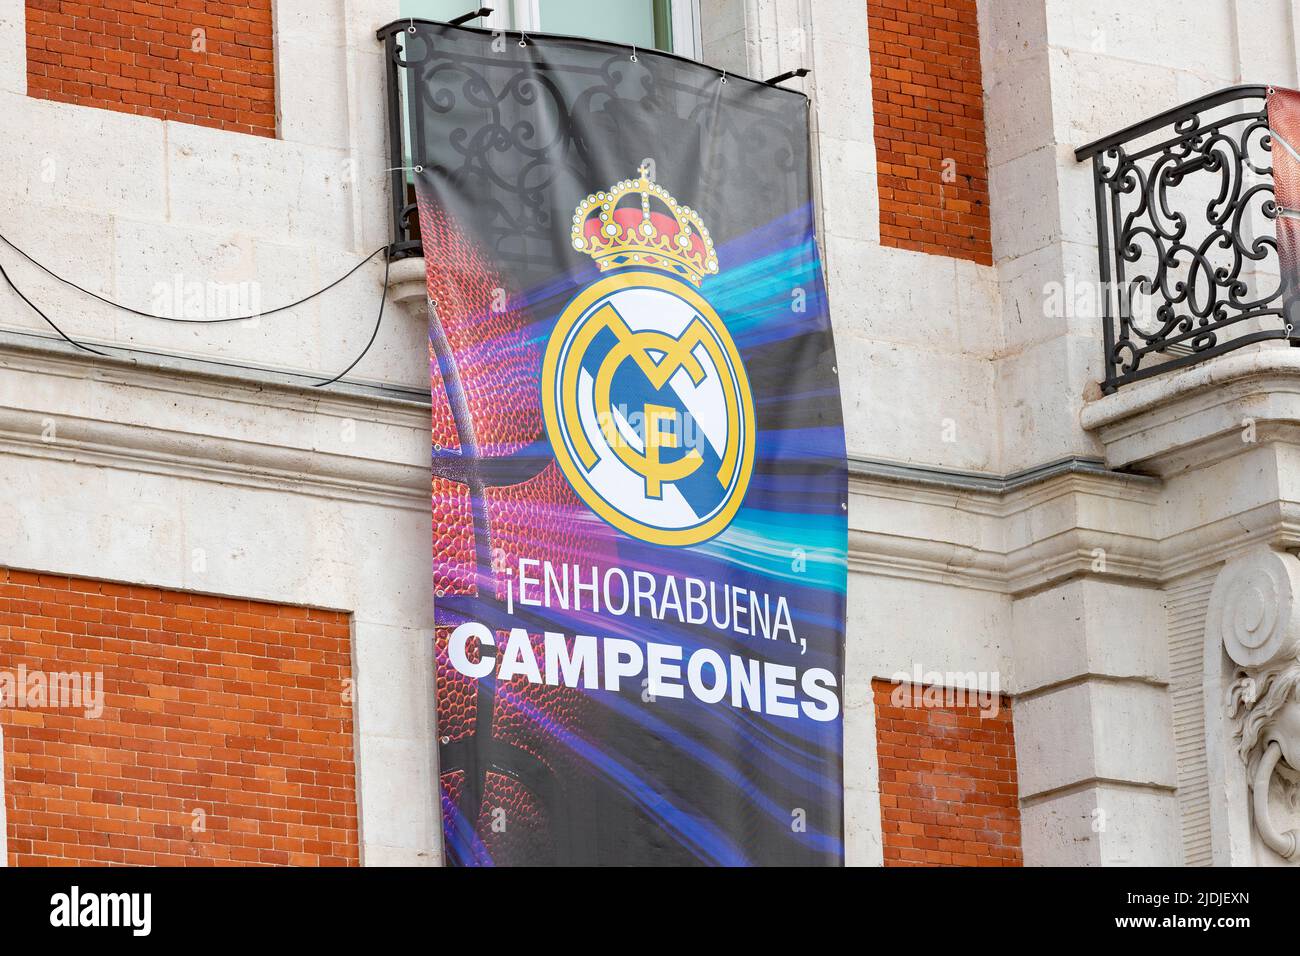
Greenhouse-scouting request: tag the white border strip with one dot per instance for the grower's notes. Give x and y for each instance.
(686, 28)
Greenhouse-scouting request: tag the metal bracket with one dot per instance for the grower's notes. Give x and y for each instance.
(801, 72)
(466, 17)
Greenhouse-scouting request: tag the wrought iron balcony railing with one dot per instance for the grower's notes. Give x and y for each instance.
(406, 222)
(1185, 235)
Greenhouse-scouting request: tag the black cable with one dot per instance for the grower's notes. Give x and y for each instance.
(168, 318)
(383, 297)
(48, 320)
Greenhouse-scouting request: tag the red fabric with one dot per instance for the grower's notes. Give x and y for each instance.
(1284, 127)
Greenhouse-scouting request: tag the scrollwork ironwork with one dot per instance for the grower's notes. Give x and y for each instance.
(507, 126)
(1189, 259)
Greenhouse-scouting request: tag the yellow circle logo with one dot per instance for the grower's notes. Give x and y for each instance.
(648, 408)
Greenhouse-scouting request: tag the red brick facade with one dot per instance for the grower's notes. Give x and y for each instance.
(947, 783)
(929, 117)
(196, 61)
(225, 735)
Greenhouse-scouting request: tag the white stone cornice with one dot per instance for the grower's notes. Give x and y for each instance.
(1273, 523)
(1011, 535)
(1211, 374)
(1014, 541)
(408, 288)
(192, 376)
(1224, 436)
(165, 416)
(203, 458)
(995, 495)
(926, 559)
(1069, 526)
(1198, 416)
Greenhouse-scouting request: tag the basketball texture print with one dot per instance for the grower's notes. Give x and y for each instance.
(639, 486)
(487, 513)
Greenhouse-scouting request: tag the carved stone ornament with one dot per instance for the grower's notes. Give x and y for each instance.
(1253, 608)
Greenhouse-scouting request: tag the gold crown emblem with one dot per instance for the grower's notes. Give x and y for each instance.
(671, 237)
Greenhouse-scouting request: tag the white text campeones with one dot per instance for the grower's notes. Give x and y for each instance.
(777, 690)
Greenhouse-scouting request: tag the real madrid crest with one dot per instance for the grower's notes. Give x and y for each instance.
(645, 397)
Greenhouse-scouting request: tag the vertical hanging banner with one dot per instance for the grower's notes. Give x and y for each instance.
(1283, 110)
(639, 481)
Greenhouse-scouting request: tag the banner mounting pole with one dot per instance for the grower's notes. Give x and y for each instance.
(790, 75)
(466, 17)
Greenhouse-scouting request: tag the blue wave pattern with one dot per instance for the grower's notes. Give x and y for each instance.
(723, 784)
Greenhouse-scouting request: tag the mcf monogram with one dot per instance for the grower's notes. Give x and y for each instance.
(645, 397)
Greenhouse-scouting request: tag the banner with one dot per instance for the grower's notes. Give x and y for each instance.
(1283, 110)
(639, 486)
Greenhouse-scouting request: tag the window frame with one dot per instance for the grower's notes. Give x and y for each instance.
(526, 15)
(687, 41)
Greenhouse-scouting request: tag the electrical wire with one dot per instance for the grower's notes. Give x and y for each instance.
(50, 322)
(383, 297)
(169, 318)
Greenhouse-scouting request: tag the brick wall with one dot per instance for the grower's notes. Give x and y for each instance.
(233, 708)
(147, 57)
(929, 127)
(947, 783)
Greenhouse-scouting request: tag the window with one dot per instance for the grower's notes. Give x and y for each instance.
(671, 25)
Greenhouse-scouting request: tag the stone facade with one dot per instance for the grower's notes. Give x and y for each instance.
(1006, 518)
